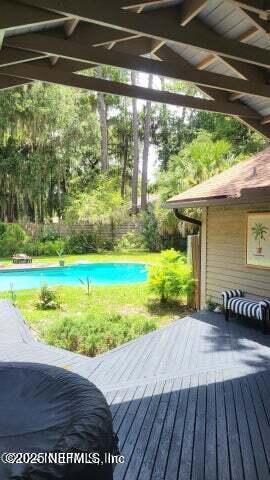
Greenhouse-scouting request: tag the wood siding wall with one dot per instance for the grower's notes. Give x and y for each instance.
(226, 253)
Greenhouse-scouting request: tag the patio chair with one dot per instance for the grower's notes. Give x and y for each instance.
(21, 258)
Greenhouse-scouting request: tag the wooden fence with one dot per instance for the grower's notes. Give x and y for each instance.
(106, 232)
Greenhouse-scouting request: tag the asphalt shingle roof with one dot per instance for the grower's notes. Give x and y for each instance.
(248, 175)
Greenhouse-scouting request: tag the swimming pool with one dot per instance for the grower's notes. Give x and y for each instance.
(98, 274)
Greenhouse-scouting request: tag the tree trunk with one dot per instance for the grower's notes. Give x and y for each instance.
(135, 128)
(164, 163)
(124, 167)
(147, 134)
(102, 111)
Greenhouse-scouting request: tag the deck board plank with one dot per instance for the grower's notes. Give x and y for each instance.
(143, 440)
(189, 401)
(232, 431)
(249, 466)
(223, 462)
(166, 435)
(211, 429)
(257, 452)
(150, 455)
(198, 461)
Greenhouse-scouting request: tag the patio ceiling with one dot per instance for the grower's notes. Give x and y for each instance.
(222, 46)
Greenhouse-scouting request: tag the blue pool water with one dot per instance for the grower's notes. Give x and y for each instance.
(98, 273)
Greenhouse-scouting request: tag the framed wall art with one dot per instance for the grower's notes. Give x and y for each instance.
(258, 239)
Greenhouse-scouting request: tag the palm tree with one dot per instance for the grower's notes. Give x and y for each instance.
(259, 231)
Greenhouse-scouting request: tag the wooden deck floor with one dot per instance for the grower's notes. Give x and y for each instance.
(189, 401)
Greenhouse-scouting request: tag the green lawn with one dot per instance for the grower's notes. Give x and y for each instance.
(132, 302)
(144, 257)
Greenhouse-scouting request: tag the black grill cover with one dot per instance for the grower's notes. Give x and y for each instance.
(47, 409)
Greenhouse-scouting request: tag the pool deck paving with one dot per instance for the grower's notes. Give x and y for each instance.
(189, 401)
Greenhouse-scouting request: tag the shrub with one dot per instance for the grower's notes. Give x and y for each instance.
(47, 249)
(106, 245)
(130, 241)
(172, 257)
(149, 230)
(172, 278)
(47, 299)
(81, 243)
(48, 234)
(95, 334)
(3, 228)
(12, 240)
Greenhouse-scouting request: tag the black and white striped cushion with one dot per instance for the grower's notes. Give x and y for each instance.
(265, 303)
(248, 308)
(228, 294)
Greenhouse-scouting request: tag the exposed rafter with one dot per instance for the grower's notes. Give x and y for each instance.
(7, 83)
(163, 27)
(33, 72)
(16, 15)
(206, 62)
(257, 6)
(2, 34)
(70, 26)
(165, 53)
(265, 120)
(47, 44)
(10, 56)
(261, 24)
(129, 30)
(132, 4)
(189, 10)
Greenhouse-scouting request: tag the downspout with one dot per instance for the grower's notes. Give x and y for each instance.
(195, 266)
(184, 218)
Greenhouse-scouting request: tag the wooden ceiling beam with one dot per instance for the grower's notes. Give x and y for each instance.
(65, 65)
(17, 15)
(256, 6)
(235, 96)
(162, 27)
(50, 45)
(6, 82)
(11, 56)
(117, 41)
(156, 45)
(132, 4)
(206, 62)
(96, 35)
(50, 75)
(261, 24)
(212, 58)
(70, 26)
(135, 46)
(2, 34)
(190, 9)
(167, 54)
(246, 70)
(248, 34)
(265, 120)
